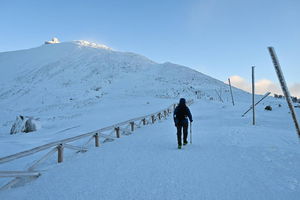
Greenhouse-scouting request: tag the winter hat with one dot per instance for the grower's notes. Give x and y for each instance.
(182, 101)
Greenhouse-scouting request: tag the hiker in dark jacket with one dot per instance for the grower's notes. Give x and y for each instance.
(181, 113)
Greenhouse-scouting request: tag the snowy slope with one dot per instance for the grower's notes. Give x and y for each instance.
(75, 79)
(229, 160)
(54, 74)
(77, 87)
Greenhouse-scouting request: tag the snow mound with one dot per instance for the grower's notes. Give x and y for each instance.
(92, 44)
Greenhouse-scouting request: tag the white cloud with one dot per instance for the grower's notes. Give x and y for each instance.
(240, 82)
(295, 89)
(263, 86)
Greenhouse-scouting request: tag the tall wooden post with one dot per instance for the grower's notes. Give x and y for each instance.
(284, 87)
(231, 91)
(97, 144)
(60, 153)
(253, 96)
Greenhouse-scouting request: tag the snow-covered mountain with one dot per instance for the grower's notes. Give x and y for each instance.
(64, 79)
(82, 70)
(77, 87)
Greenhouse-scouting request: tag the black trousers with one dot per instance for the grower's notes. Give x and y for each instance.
(180, 127)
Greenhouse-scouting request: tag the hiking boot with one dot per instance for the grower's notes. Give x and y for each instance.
(185, 143)
(179, 146)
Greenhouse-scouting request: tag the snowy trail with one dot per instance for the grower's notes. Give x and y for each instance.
(229, 159)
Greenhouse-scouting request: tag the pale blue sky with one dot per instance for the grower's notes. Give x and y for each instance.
(218, 37)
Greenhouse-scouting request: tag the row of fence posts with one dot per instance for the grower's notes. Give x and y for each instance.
(150, 119)
(60, 147)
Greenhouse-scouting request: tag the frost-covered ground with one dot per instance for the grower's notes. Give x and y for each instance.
(77, 87)
(229, 159)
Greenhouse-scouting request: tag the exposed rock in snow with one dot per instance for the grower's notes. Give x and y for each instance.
(53, 41)
(269, 108)
(24, 124)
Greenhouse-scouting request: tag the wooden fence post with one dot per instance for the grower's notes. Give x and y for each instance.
(97, 144)
(253, 97)
(153, 119)
(60, 153)
(132, 126)
(117, 129)
(284, 87)
(159, 116)
(231, 92)
(144, 121)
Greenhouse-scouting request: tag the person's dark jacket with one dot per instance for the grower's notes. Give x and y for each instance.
(181, 113)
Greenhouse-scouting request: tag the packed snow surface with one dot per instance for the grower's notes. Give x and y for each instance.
(228, 159)
(76, 87)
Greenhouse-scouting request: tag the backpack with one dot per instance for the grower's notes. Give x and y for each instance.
(181, 113)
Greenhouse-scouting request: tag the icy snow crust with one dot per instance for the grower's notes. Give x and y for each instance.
(76, 88)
